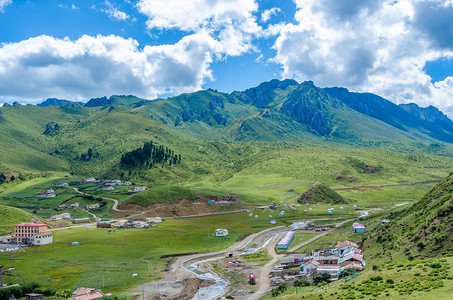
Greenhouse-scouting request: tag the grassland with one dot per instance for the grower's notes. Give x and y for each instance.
(9, 216)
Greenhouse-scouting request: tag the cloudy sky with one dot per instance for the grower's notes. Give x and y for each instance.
(401, 50)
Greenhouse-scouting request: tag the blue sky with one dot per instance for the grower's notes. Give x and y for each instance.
(401, 50)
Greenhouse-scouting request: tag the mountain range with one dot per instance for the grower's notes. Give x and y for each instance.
(210, 129)
(286, 110)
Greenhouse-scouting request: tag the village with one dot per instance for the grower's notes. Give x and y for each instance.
(343, 258)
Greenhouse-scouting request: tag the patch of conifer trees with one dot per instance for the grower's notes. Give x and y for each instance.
(150, 155)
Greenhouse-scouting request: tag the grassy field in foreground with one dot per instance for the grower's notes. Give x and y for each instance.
(419, 279)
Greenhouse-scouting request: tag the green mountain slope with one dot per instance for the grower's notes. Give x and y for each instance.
(424, 230)
(9, 216)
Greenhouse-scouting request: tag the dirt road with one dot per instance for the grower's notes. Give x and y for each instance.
(263, 282)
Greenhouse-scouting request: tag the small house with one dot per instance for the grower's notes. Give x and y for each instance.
(50, 191)
(75, 204)
(305, 211)
(81, 220)
(383, 222)
(51, 195)
(273, 222)
(90, 179)
(42, 238)
(154, 220)
(221, 232)
(108, 188)
(33, 296)
(8, 239)
(56, 217)
(250, 214)
(310, 267)
(92, 206)
(66, 215)
(357, 227)
(140, 224)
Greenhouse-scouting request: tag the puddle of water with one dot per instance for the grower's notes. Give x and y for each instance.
(297, 225)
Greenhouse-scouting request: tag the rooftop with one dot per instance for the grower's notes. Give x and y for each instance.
(30, 224)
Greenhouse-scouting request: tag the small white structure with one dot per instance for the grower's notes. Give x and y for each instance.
(270, 216)
(56, 217)
(329, 212)
(383, 222)
(49, 191)
(221, 232)
(154, 220)
(75, 204)
(140, 224)
(256, 216)
(8, 239)
(342, 207)
(273, 222)
(90, 179)
(42, 239)
(66, 215)
(250, 214)
(354, 205)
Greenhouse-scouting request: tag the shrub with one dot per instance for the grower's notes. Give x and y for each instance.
(390, 281)
(435, 265)
(376, 278)
(301, 282)
(321, 277)
(349, 271)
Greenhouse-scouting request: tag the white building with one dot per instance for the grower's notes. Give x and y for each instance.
(43, 238)
(221, 232)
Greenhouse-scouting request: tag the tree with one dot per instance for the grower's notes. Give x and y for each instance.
(63, 294)
(301, 282)
(321, 277)
(349, 271)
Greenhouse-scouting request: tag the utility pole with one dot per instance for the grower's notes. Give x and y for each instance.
(143, 290)
(102, 278)
(1, 275)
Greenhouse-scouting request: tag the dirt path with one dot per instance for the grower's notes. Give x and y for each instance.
(289, 198)
(318, 236)
(115, 202)
(263, 282)
(364, 187)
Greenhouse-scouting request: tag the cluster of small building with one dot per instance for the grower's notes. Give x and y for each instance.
(67, 205)
(121, 224)
(50, 193)
(304, 266)
(35, 234)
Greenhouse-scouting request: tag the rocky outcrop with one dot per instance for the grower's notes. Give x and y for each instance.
(430, 114)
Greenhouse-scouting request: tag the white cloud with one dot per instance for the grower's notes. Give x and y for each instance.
(44, 66)
(114, 13)
(267, 14)
(74, 7)
(3, 4)
(372, 45)
(230, 22)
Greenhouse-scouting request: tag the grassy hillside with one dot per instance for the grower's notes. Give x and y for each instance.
(423, 230)
(321, 193)
(9, 216)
